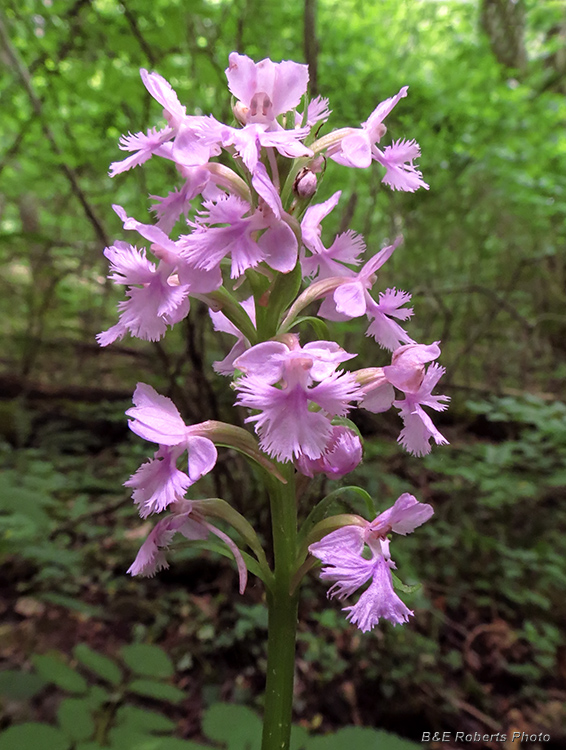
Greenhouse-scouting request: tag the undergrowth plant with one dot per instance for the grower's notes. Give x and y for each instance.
(101, 708)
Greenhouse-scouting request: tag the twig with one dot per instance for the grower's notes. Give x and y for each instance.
(311, 45)
(131, 19)
(36, 103)
(496, 298)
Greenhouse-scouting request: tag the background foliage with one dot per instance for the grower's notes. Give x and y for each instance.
(484, 258)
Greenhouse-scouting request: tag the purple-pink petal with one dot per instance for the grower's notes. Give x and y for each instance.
(128, 265)
(158, 483)
(151, 557)
(279, 246)
(383, 109)
(417, 431)
(347, 540)
(380, 399)
(350, 299)
(202, 456)
(355, 151)
(404, 516)
(235, 550)
(379, 600)
(162, 91)
(155, 417)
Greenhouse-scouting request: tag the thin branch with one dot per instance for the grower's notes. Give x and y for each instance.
(311, 45)
(37, 106)
(495, 298)
(131, 19)
(15, 147)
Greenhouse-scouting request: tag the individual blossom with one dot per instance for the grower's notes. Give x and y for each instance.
(198, 280)
(156, 299)
(343, 453)
(325, 262)
(344, 564)
(419, 428)
(155, 141)
(158, 483)
(186, 520)
(408, 374)
(265, 90)
(350, 298)
(158, 295)
(358, 147)
(229, 226)
(297, 392)
(249, 140)
(176, 203)
(178, 141)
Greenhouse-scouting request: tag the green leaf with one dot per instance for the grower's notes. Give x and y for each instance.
(404, 587)
(321, 508)
(33, 735)
(299, 738)
(144, 720)
(101, 665)
(318, 325)
(173, 743)
(361, 737)
(97, 696)
(238, 726)
(76, 605)
(75, 718)
(147, 660)
(158, 690)
(20, 685)
(126, 738)
(53, 670)
(283, 293)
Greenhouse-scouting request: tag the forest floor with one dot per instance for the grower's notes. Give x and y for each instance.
(472, 660)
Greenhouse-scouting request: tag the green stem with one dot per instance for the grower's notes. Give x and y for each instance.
(282, 622)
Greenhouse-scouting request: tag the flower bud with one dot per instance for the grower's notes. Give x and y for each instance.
(305, 184)
(343, 454)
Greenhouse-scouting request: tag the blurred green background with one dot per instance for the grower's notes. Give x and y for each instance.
(484, 258)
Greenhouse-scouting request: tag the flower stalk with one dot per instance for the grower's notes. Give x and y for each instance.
(282, 606)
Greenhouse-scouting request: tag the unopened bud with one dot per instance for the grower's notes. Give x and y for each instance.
(240, 113)
(305, 184)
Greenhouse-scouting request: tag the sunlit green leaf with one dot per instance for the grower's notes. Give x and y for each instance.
(147, 660)
(54, 670)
